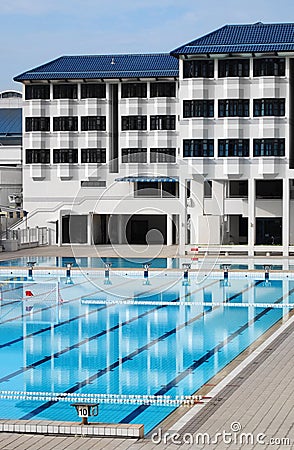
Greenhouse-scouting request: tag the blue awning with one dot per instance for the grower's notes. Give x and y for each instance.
(149, 179)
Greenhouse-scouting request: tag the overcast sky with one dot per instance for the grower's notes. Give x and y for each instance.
(36, 31)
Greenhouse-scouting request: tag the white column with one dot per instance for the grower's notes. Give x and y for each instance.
(59, 237)
(197, 197)
(90, 228)
(169, 229)
(286, 216)
(251, 216)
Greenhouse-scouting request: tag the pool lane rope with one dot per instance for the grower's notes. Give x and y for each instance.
(152, 400)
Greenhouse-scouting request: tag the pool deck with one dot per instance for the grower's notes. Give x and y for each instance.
(115, 251)
(259, 399)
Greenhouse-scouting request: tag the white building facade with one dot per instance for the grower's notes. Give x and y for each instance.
(193, 148)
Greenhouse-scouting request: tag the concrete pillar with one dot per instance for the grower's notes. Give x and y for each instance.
(90, 228)
(251, 216)
(218, 193)
(59, 237)
(182, 225)
(169, 229)
(197, 198)
(286, 216)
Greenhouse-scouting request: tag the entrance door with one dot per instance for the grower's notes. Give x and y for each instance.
(139, 229)
(269, 231)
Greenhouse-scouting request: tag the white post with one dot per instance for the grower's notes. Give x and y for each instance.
(251, 216)
(286, 216)
(169, 229)
(90, 228)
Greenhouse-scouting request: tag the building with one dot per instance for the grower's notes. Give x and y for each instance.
(192, 147)
(10, 149)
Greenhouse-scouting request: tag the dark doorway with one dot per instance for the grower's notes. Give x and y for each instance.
(65, 229)
(269, 231)
(139, 229)
(146, 229)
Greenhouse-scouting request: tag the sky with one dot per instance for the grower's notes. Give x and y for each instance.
(36, 31)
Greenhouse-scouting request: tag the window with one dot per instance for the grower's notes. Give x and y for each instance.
(64, 155)
(268, 147)
(195, 148)
(198, 108)
(162, 122)
(134, 155)
(129, 90)
(272, 189)
(163, 89)
(37, 123)
(233, 108)
(65, 123)
(147, 189)
(265, 67)
(269, 107)
(233, 147)
(134, 123)
(11, 94)
(207, 189)
(199, 69)
(10, 140)
(238, 189)
(93, 155)
(233, 68)
(37, 92)
(93, 183)
(40, 156)
(156, 189)
(93, 90)
(93, 123)
(65, 91)
(162, 155)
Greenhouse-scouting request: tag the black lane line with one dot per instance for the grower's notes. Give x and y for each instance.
(129, 357)
(43, 330)
(200, 361)
(86, 340)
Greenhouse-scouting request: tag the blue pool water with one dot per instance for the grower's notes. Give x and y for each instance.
(131, 263)
(52, 339)
(93, 262)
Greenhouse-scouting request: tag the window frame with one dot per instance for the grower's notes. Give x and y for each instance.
(233, 148)
(93, 155)
(133, 90)
(62, 123)
(134, 123)
(198, 108)
(234, 68)
(166, 122)
(93, 123)
(201, 148)
(41, 124)
(37, 156)
(198, 68)
(133, 155)
(233, 108)
(65, 156)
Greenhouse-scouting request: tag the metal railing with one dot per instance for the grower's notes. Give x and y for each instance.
(28, 236)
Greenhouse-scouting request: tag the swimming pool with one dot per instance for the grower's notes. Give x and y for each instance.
(133, 263)
(70, 338)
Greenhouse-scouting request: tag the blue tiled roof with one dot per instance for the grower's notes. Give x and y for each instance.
(258, 38)
(105, 66)
(10, 121)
